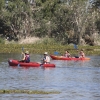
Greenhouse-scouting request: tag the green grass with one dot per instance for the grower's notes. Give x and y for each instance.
(2, 41)
(28, 92)
(40, 48)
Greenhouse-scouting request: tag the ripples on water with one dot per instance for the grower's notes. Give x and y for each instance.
(76, 80)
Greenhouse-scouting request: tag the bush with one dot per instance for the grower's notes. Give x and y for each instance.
(2, 41)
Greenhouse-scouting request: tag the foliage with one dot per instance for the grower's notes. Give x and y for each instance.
(98, 24)
(17, 91)
(96, 4)
(1, 4)
(67, 21)
(15, 16)
(49, 47)
(2, 41)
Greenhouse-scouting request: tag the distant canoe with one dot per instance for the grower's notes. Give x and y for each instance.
(65, 58)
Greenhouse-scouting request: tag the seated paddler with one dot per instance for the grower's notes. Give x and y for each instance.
(46, 58)
(26, 57)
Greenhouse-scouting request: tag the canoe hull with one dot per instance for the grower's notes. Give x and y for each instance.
(64, 58)
(48, 65)
(22, 64)
(31, 64)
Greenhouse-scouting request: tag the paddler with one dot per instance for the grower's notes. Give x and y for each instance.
(26, 57)
(67, 54)
(82, 54)
(46, 58)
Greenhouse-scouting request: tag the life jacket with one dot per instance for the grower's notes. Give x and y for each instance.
(46, 59)
(27, 58)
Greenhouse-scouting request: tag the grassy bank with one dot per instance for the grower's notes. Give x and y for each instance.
(28, 92)
(50, 48)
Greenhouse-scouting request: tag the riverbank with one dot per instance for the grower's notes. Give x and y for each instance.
(39, 48)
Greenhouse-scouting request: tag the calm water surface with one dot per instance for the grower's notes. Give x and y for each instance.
(76, 80)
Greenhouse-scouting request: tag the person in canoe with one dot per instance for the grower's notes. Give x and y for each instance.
(82, 54)
(67, 54)
(46, 58)
(26, 57)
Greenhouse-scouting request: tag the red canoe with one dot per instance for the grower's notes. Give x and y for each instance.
(65, 58)
(48, 65)
(31, 64)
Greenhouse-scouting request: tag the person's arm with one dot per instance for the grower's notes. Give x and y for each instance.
(83, 55)
(23, 58)
(45, 60)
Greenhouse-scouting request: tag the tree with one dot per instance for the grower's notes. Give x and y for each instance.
(17, 17)
(96, 4)
(64, 20)
(1, 4)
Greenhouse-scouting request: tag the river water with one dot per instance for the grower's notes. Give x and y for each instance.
(75, 80)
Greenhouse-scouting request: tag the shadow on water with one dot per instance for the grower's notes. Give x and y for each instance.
(75, 80)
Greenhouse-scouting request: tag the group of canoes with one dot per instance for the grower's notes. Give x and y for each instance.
(46, 59)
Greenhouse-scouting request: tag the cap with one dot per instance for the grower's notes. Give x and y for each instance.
(27, 52)
(46, 53)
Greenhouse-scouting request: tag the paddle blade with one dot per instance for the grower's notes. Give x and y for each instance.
(56, 53)
(22, 49)
(75, 46)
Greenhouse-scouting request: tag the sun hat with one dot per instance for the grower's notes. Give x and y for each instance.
(27, 52)
(46, 53)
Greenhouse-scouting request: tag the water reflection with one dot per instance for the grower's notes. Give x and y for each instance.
(76, 80)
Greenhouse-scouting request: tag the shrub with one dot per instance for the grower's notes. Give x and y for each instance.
(2, 41)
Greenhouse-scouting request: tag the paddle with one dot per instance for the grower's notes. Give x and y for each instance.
(56, 53)
(21, 55)
(76, 47)
(22, 51)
